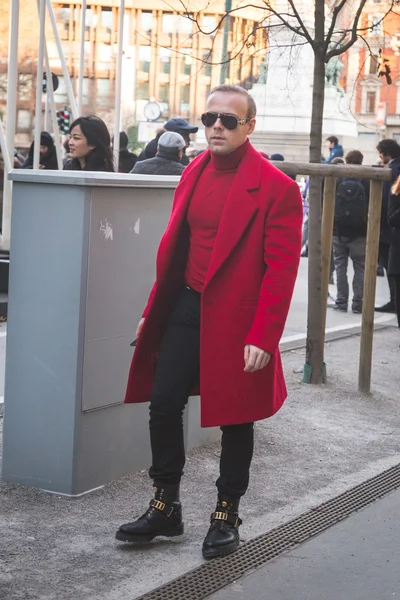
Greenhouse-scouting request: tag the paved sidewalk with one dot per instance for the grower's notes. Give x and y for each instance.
(325, 440)
(358, 559)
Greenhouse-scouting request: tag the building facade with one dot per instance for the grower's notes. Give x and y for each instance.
(169, 56)
(374, 101)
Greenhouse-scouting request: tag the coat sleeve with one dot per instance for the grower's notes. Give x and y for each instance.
(394, 211)
(282, 247)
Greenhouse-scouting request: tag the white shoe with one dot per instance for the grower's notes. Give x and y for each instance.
(331, 301)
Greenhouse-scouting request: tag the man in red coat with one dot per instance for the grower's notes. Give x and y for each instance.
(225, 273)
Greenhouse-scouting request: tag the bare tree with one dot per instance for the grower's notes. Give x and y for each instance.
(335, 27)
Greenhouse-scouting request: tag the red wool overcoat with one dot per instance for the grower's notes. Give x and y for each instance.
(246, 295)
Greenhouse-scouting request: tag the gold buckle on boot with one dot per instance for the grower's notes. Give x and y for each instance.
(221, 516)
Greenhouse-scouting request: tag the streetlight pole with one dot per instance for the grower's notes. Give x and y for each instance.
(224, 65)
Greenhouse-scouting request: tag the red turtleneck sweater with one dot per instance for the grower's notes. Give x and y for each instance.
(205, 211)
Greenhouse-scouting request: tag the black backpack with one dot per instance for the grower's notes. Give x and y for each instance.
(350, 207)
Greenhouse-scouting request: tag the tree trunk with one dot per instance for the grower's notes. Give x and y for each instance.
(315, 320)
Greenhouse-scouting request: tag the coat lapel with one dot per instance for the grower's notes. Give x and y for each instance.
(239, 210)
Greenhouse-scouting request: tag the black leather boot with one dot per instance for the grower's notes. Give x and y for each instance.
(162, 518)
(223, 536)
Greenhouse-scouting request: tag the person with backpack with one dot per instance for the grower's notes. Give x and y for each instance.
(349, 235)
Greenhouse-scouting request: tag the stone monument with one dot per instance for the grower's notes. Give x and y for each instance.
(283, 96)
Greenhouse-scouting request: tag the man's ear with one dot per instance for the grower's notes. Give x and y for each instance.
(251, 126)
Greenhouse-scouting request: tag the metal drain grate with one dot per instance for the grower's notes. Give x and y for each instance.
(210, 577)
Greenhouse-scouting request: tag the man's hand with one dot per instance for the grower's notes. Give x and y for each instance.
(139, 327)
(255, 359)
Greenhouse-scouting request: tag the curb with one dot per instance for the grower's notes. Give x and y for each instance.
(331, 336)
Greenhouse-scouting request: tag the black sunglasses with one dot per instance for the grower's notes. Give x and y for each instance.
(229, 121)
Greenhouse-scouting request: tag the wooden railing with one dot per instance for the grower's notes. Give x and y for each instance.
(330, 173)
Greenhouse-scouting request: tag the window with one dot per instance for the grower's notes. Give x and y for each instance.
(107, 19)
(63, 16)
(376, 24)
(25, 86)
(103, 89)
(207, 59)
(168, 23)
(24, 119)
(184, 25)
(104, 57)
(90, 19)
(85, 90)
(209, 24)
(163, 92)
(144, 59)
(142, 91)
(146, 21)
(3, 86)
(165, 60)
(373, 64)
(186, 67)
(371, 102)
(185, 100)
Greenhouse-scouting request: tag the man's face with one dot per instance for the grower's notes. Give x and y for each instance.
(221, 140)
(330, 145)
(186, 136)
(384, 158)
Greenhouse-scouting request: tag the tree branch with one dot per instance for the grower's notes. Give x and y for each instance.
(335, 15)
(354, 35)
(301, 23)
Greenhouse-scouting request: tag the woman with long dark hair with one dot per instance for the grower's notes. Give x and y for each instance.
(47, 154)
(90, 146)
(394, 251)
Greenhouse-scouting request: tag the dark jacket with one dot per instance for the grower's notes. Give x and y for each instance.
(159, 165)
(96, 163)
(151, 151)
(394, 222)
(360, 231)
(127, 161)
(47, 161)
(335, 152)
(386, 230)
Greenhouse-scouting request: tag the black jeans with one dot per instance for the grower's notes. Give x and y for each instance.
(177, 371)
(384, 261)
(396, 280)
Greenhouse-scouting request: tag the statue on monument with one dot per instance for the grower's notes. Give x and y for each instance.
(332, 73)
(263, 71)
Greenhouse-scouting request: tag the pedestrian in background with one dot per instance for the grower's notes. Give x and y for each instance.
(167, 161)
(394, 252)
(389, 154)
(89, 146)
(182, 127)
(151, 148)
(335, 149)
(47, 154)
(126, 159)
(280, 158)
(349, 235)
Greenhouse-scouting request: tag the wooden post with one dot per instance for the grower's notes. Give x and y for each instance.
(328, 214)
(371, 262)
